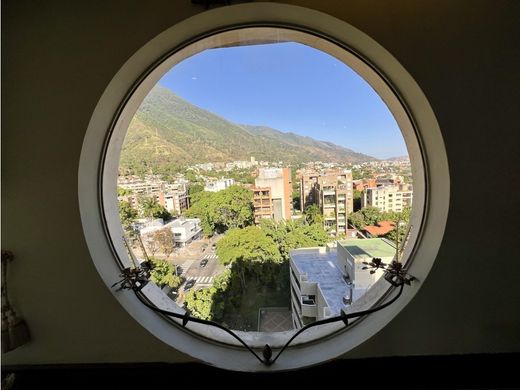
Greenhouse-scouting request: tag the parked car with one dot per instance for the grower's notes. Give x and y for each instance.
(189, 284)
(203, 263)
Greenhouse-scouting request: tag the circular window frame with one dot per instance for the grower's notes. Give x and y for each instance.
(105, 135)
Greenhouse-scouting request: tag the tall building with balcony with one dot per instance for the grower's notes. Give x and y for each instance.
(307, 188)
(279, 182)
(332, 192)
(262, 203)
(326, 280)
(388, 198)
(176, 200)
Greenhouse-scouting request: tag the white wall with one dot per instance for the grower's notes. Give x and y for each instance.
(57, 58)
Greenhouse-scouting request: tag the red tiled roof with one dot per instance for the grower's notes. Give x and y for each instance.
(382, 228)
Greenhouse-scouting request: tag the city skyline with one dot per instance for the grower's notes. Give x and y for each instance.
(295, 89)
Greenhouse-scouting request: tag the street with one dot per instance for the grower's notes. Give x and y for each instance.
(202, 276)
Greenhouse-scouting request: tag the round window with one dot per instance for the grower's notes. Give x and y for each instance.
(250, 213)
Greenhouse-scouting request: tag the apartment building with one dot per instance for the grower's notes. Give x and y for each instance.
(149, 185)
(308, 182)
(176, 200)
(388, 198)
(325, 280)
(262, 203)
(279, 182)
(218, 185)
(363, 184)
(332, 192)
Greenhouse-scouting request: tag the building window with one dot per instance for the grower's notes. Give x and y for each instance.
(258, 24)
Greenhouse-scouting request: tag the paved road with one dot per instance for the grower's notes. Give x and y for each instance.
(203, 276)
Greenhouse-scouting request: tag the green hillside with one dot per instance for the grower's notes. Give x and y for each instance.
(167, 132)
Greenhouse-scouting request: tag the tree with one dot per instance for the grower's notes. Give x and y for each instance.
(223, 210)
(127, 214)
(194, 188)
(234, 207)
(164, 273)
(209, 303)
(313, 215)
(356, 220)
(149, 242)
(366, 216)
(123, 191)
(243, 247)
(200, 302)
(152, 209)
(165, 241)
(202, 208)
(296, 200)
(248, 244)
(294, 234)
(357, 200)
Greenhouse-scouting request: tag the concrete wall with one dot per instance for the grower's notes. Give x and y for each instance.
(57, 58)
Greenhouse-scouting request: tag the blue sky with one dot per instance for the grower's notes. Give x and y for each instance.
(289, 87)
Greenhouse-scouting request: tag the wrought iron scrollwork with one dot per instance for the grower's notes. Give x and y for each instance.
(136, 278)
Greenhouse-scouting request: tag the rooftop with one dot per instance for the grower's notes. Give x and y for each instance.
(370, 247)
(382, 228)
(320, 267)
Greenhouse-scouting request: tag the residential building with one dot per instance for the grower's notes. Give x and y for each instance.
(317, 285)
(326, 280)
(352, 254)
(363, 184)
(149, 185)
(335, 199)
(307, 188)
(390, 198)
(332, 192)
(175, 201)
(185, 230)
(279, 181)
(262, 203)
(219, 185)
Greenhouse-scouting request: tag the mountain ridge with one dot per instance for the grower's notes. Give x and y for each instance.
(167, 131)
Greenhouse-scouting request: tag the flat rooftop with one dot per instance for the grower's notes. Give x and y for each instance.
(321, 267)
(370, 247)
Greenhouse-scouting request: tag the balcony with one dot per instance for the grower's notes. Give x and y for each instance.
(309, 300)
(308, 306)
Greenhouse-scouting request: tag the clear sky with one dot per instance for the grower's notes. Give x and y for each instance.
(289, 87)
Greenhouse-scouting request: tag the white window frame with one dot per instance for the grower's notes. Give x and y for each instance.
(100, 159)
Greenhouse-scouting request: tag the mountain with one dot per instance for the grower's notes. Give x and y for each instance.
(167, 130)
(398, 158)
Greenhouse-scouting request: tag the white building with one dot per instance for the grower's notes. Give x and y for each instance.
(388, 198)
(325, 280)
(185, 230)
(219, 185)
(151, 184)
